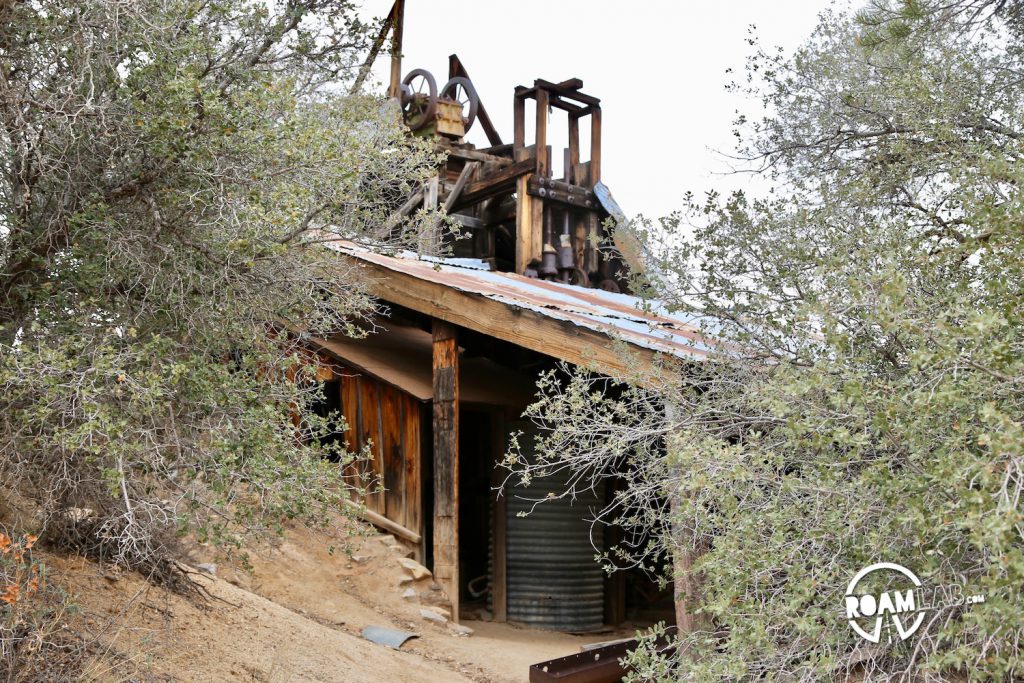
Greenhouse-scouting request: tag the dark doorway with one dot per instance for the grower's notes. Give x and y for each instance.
(328, 406)
(476, 464)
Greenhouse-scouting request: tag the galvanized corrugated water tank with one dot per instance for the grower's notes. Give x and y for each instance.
(553, 581)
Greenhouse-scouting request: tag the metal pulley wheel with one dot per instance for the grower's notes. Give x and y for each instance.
(461, 90)
(419, 98)
(578, 277)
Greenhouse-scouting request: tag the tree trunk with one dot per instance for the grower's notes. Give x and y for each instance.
(684, 552)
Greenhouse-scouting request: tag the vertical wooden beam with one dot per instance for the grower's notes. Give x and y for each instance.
(446, 460)
(430, 193)
(362, 465)
(429, 237)
(371, 434)
(519, 123)
(413, 455)
(524, 224)
(537, 236)
(595, 145)
(397, 28)
(543, 161)
(529, 209)
(574, 150)
(379, 465)
(529, 225)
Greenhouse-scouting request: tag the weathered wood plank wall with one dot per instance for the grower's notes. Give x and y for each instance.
(388, 420)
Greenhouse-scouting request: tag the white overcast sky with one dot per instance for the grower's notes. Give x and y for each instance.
(659, 68)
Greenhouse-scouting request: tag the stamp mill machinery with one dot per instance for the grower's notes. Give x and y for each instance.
(513, 212)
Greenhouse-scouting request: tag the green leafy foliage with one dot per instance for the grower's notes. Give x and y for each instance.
(169, 173)
(865, 403)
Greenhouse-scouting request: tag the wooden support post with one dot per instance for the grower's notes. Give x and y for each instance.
(574, 150)
(543, 161)
(529, 225)
(530, 210)
(595, 145)
(446, 461)
(519, 123)
(397, 24)
(430, 193)
(430, 235)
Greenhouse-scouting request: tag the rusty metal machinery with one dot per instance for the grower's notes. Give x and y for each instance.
(450, 112)
(459, 89)
(514, 212)
(418, 98)
(518, 215)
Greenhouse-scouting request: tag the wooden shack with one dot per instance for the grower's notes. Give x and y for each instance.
(439, 387)
(444, 379)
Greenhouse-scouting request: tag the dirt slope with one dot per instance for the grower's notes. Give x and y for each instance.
(296, 617)
(239, 636)
(303, 575)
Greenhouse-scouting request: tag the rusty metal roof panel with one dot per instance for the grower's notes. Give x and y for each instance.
(634, 321)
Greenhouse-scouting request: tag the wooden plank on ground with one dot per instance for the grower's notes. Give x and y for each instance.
(383, 522)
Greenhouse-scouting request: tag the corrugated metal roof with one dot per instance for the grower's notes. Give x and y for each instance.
(645, 324)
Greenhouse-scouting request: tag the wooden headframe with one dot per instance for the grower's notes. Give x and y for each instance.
(537, 189)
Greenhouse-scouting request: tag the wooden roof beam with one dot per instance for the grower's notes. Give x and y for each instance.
(560, 90)
(522, 327)
(573, 109)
